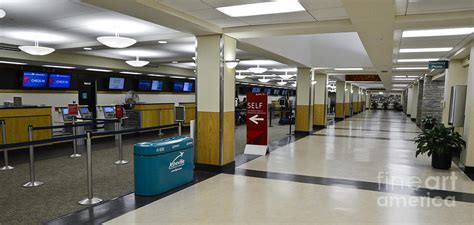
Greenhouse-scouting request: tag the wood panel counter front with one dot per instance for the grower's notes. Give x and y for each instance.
(17, 120)
(150, 113)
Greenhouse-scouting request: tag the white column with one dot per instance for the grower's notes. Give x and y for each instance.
(467, 156)
(414, 106)
(410, 100)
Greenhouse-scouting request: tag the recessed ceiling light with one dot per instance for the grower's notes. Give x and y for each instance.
(411, 68)
(14, 63)
(418, 60)
(87, 49)
(177, 77)
(128, 72)
(438, 32)
(98, 70)
(410, 50)
(174, 62)
(61, 67)
(348, 69)
(192, 78)
(264, 8)
(156, 75)
(162, 42)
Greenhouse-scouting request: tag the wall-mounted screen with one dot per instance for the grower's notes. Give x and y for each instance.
(178, 86)
(255, 90)
(116, 83)
(144, 85)
(276, 92)
(60, 81)
(35, 80)
(157, 85)
(268, 90)
(284, 92)
(188, 87)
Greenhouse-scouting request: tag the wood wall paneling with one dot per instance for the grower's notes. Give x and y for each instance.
(302, 118)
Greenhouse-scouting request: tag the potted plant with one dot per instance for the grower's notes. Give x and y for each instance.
(428, 122)
(439, 143)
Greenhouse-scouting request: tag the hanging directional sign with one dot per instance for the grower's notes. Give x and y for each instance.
(257, 124)
(440, 64)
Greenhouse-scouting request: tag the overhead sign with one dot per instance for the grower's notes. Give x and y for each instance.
(441, 64)
(257, 123)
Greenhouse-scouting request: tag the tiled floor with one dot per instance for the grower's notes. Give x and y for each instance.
(331, 177)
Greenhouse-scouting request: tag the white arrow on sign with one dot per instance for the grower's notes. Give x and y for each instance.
(255, 119)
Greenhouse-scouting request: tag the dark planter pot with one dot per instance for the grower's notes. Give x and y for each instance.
(428, 126)
(441, 161)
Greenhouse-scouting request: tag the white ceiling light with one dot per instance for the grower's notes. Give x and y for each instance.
(231, 64)
(14, 63)
(162, 42)
(60, 67)
(116, 41)
(132, 73)
(2, 13)
(178, 77)
(281, 83)
(257, 69)
(240, 77)
(418, 60)
(36, 49)
(294, 85)
(411, 68)
(137, 62)
(438, 32)
(410, 50)
(87, 49)
(348, 69)
(264, 8)
(286, 76)
(98, 70)
(156, 75)
(264, 80)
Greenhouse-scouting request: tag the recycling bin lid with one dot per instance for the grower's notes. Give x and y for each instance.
(157, 147)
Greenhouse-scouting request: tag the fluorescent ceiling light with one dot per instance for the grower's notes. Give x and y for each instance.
(438, 32)
(36, 49)
(132, 73)
(14, 63)
(418, 60)
(348, 69)
(87, 49)
(61, 67)
(162, 42)
(411, 68)
(192, 78)
(264, 8)
(98, 70)
(137, 62)
(156, 75)
(178, 77)
(410, 50)
(116, 41)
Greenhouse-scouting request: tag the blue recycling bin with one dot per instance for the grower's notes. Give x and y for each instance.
(163, 165)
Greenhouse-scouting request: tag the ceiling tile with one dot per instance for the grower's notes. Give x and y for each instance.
(329, 14)
(278, 18)
(208, 14)
(223, 3)
(433, 6)
(401, 7)
(186, 5)
(321, 4)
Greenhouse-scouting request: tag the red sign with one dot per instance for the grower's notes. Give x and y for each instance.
(72, 109)
(118, 111)
(257, 124)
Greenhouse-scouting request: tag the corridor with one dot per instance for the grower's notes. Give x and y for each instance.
(361, 169)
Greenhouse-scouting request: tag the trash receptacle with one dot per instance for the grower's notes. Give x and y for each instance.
(163, 165)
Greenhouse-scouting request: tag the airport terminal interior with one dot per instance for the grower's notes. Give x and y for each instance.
(236, 112)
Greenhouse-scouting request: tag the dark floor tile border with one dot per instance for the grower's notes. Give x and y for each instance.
(361, 137)
(116, 207)
(363, 129)
(360, 185)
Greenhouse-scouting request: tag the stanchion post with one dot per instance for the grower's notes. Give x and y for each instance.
(74, 141)
(179, 128)
(271, 117)
(159, 123)
(33, 182)
(290, 113)
(90, 200)
(120, 160)
(5, 151)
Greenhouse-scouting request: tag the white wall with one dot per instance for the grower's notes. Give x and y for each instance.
(105, 99)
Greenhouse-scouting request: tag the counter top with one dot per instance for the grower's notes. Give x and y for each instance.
(24, 107)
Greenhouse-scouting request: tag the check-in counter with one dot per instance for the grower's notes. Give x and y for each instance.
(190, 110)
(157, 114)
(17, 120)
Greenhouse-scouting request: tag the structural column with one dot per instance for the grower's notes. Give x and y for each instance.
(320, 91)
(467, 156)
(304, 112)
(215, 94)
(410, 100)
(414, 102)
(340, 95)
(356, 100)
(348, 100)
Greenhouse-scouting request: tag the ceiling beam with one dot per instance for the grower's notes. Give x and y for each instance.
(254, 50)
(435, 20)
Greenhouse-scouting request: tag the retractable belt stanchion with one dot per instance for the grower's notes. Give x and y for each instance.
(118, 127)
(74, 141)
(159, 123)
(179, 128)
(90, 200)
(5, 151)
(33, 182)
(290, 114)
(271, 117)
